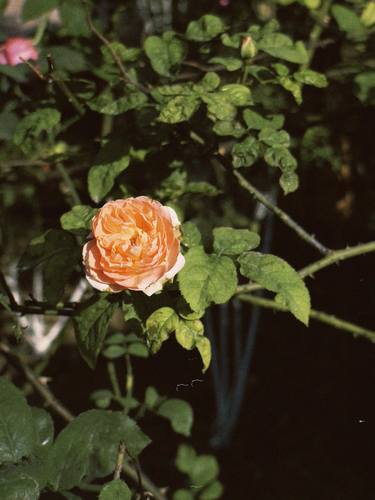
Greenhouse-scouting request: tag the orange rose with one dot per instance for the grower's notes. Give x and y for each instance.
(135, 246)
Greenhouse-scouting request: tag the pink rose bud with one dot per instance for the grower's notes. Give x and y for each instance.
(15, 50)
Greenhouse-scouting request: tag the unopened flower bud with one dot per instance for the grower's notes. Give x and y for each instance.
(248, 48)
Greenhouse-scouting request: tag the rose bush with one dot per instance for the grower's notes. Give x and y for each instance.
(135, 246)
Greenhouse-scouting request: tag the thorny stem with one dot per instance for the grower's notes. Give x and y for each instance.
(283, 216)
(69, 183)
(113, 53)
(329, 319)
(333, 258)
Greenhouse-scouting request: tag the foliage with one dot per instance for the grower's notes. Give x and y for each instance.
(177, 115)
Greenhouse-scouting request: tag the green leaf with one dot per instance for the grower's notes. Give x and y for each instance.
(68, 59)
(349, 22)
(229, 63)
(185, 459)
(79, 217)
(245, 153)
(91, 324)
(111, 161)
(212, 491)
(183, 494)
(204, 470)
(44, 427)
(114, 351)
(204, 348)
(292, 86)
(237, 94)
(22, 487)
(165, 53)
(107, 104)
(310, 77)
(279, 156)
(126, 54)
(289, 182)
(366, 86)
(205, 29)
(202, 188)
(179, 413)
(230, 241)
(152, 397)
(73, 18)
(206, 278)
(209, 83)
(36, 8)
(188, 332)
(87, 448)
(255, 121)
(272, 137)
(159, 326)
(228, 127)
(102, 398)
(138, 349)
(276, 275)
(282, 47)
(191, 236)
(219, 106)
(179, 109)
(30, 128)
(115, 490)
(58, 252)
(17, 432)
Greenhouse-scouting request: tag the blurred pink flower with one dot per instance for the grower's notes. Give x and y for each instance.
(224, 3)
(15, 49)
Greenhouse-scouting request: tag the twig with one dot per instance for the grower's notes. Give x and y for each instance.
(43, 390)
(283, 216)
(8, 291)
(120, 460)
(317, 30)
(113, 53)
(333, 258)
(114, 380)
(328, 319)
(69, 183)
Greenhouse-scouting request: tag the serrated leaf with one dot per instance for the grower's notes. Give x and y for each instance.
(255, 121)
(87, 448)
(207, 278)
(276, 275)
(79, 217)
(349, 22)
(229, 63)
(58, 253)
(282, 47)
(310, 77)
(219, 106)
(205, 29)
(164, 52)
(178, 109)
(236, 94)
(30, 128)
(111, 161)
(230, 241)
(179, 413)
(191, 236)
(159, 326)
(245, 153)
(188, 333)
(17, 432)
(115, 490)
(91, 324)
(292, 86)
(107, 104)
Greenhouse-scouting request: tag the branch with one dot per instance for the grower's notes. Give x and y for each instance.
(328, 319)
(113, 53)
(8, 291)
(43, 390)
(69, 183)
(120, 460)
(333, 258)
(316, 32)
(284, 217)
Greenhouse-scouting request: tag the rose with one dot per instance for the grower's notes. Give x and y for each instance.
(135, 246)
(15, 50)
